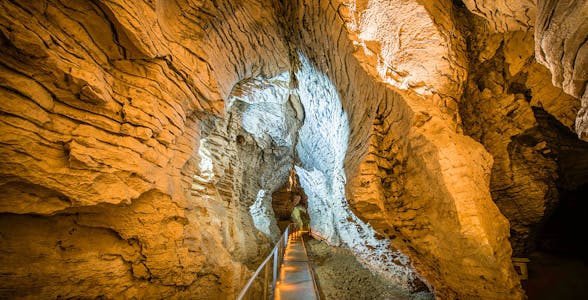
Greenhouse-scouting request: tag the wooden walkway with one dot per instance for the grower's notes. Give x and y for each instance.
(296, 281)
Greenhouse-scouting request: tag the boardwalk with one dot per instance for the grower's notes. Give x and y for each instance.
(296, 280)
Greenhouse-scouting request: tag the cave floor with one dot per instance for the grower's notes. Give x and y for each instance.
(556, 277)
(340, 275)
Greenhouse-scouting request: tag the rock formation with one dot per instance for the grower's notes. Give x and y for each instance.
(141, 141)
(287, 197)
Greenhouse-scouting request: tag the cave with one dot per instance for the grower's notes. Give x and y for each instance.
(161, 149)
(557, 252)
(290, 203)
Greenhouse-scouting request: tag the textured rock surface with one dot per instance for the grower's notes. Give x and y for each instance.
(390, 36)
(266, 112)
(505, 15)
(141, 141)
(287, 197)
(503, 107)
(445, 220)
(322, 145)
(560, 38)
(561, 44)
(101, 110)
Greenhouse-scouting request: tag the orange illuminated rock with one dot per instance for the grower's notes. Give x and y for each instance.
(141, 141)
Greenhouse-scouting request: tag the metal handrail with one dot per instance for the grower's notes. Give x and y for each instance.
(312, 274)
(277, 254)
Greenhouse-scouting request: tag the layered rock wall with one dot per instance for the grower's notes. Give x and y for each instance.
(561, 46)
(451, 226)
(560, 30)
(101, 114)
(506, 89)
(136, 136)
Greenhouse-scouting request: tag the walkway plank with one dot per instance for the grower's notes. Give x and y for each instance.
(296, 280)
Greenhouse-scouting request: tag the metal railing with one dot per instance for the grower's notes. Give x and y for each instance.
(276, 257)
(312, 274)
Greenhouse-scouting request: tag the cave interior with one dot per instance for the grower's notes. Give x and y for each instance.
(157, 149)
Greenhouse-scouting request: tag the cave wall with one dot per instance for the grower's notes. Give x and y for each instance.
(132, 142)
(503, 84)
(451, 230)
(507, 85)
(321, 151)
(287, 197)
(559, 29)
(560, 45)
(101, 114)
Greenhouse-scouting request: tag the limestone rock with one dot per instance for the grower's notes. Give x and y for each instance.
(560, 30)
(503, 108)
(100, 129)
(388, 36)
(287, 197)
(561, 46)
(141, 141)
(425, 129)
(505, 15)
(323, 140)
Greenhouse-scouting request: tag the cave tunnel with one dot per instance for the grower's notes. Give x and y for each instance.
(559, 256)
(285, 200)
(158, 149)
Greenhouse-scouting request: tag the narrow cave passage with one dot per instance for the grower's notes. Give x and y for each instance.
(314, 189)
(290, 204)
(337, 271)
(559, 261)
(144, 145)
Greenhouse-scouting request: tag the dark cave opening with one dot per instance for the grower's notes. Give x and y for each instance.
(563, 233)
(287, 199)
(559, 266)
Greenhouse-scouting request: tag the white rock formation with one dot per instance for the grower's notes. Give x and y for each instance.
(263, 215)
(267, 115)
(323, 140)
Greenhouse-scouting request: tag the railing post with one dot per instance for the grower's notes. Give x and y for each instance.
(275, 269)
(280, 256)
(265, 282)
(287, 235)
